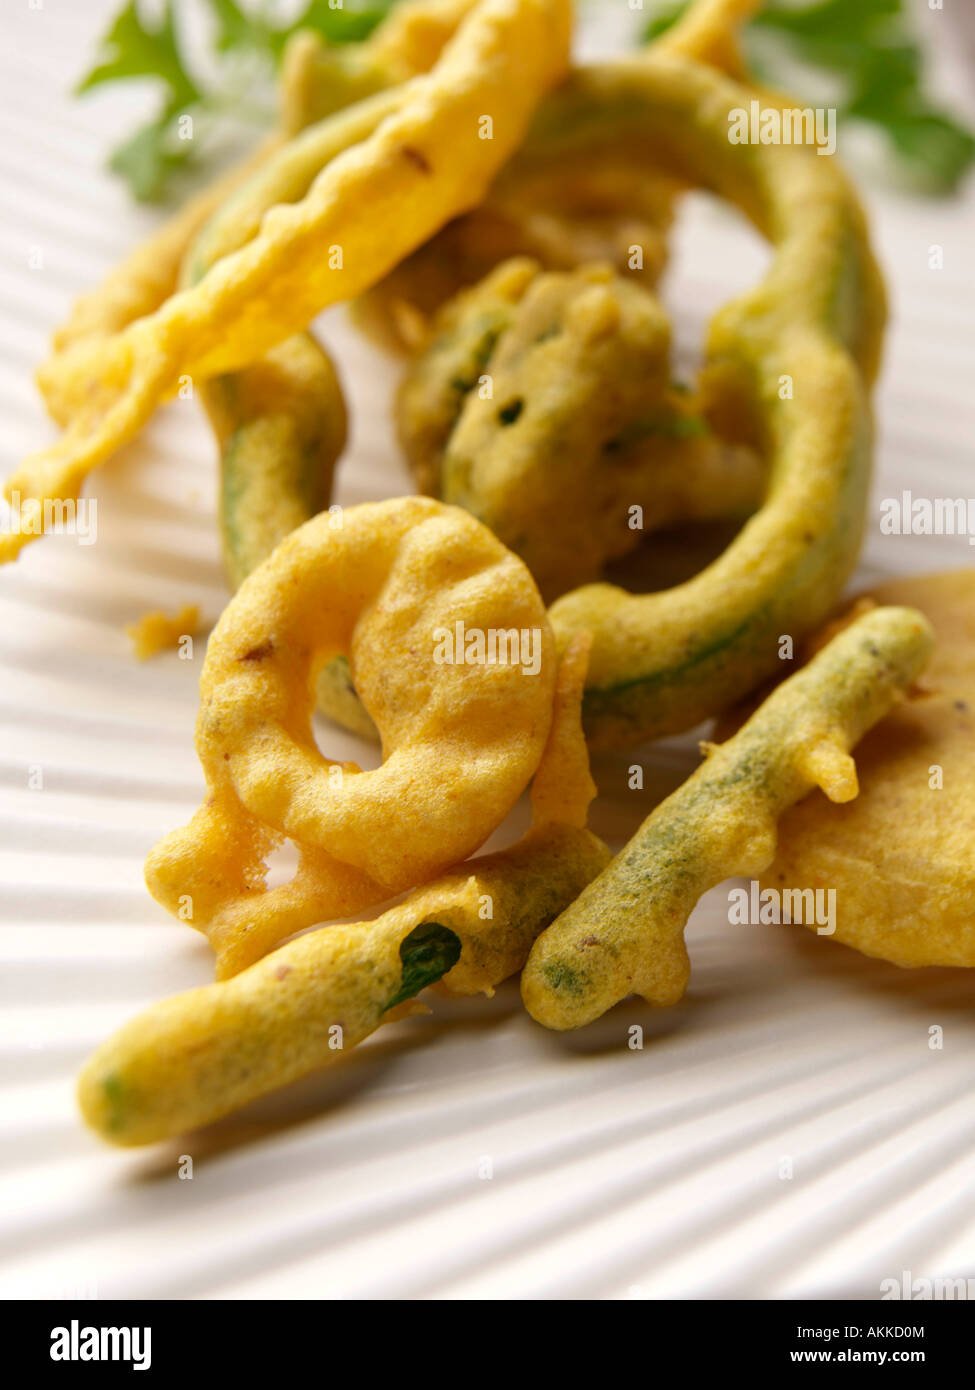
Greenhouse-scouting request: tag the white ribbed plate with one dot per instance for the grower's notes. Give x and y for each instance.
(616, 1173)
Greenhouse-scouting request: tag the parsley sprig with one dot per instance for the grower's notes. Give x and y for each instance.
(865, 51)
(246, 44)
(862, 49)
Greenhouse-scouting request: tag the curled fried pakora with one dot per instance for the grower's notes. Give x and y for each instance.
(791, 359)
(452, 654)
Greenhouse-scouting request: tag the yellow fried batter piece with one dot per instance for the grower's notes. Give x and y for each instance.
(150, 273)
(608, 206)
(316, 80)
(319, 78)
(281, 426)
(451, 652)
(901, 858)
(545, 407)
(189, 1060)
(605, 204)
(157, 631)
(625, 933)
(424, 163)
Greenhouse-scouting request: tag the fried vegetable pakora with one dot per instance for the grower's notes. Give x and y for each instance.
(900, 856)
(624, 934)
(541, 412)
(454, 659)
(417, 161)
(190, 1059)
(791, 359)
(545, 407)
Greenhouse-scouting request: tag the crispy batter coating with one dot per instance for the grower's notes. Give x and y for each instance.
(150, 273)
(281, 426)
(452, 655)
(579, 428)
(190, 1059)
(281, 422)
(603, 205)
(901, 858)
(319, 78)
(792, 359)
(625, 933)
(158, 631)
(421, 165)
(607, 206)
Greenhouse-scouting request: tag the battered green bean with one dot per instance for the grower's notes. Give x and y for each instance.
(189, 1060)
(624, 933)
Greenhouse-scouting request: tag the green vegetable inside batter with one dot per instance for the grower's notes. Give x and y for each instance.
(427, 954)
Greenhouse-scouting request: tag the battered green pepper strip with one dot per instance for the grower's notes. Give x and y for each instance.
(191, 1059)
(799, 350)
(624, 934)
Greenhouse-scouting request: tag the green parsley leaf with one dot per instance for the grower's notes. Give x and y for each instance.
(235, 29)
(350, 24)
(132, 49)
(868, 46)
(427, 954)
(147, 159)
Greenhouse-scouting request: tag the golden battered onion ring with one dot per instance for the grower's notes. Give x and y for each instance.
(452, 654)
